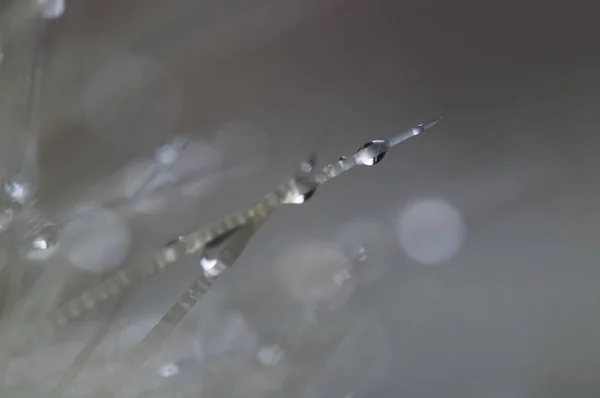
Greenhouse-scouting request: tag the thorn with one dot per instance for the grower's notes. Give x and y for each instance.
(432, 123)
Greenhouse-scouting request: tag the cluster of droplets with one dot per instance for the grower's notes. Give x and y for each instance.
(369, 154)
(17, 197)
(38, 235)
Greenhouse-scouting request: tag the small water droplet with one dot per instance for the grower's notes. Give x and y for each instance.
(306, 166)
(39, 242)
(175, 242)
(212, 267)
(168, 370)
(169, 153)
(341, 277)
(52, 9)
(18, 192)
(46, 238)
(270, 355)
(6, 217)
(304, 197)
(208, 263)
(371, 160)
(361, 254)
(194, 295)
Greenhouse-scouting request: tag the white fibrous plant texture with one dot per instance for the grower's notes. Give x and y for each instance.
(108, 244)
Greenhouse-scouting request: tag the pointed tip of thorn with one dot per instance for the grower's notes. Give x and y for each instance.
(433, 123)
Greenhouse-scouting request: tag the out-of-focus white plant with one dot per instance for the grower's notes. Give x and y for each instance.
(45, 253)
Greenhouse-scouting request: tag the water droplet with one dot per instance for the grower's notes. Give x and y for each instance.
(371, 159)
(361, 254)
(6, 217)
(194, 295)
(175, 242)
(370, 246)
(341, 277)
(169, 153)
(168, 370)
(18, 192)
(208, 263)
(38, 243)
(212, 267)
(270, 355)
(52, 9)
(307, 165)
(44, 240)
(304, 197)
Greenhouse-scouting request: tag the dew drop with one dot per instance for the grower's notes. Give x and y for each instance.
(342, 277)
(6, 217)
(212, 267)
(307, 165)
(168, 370)
(40, 242)
(361, 254)
(370, 245)
(45, 239)
(208, 263)
(170, 152)
(372, 159)
(52, 9)
(18, 192)
(270, 355)
(304, 197)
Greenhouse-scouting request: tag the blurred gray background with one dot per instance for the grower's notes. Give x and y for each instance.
(482, 262)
